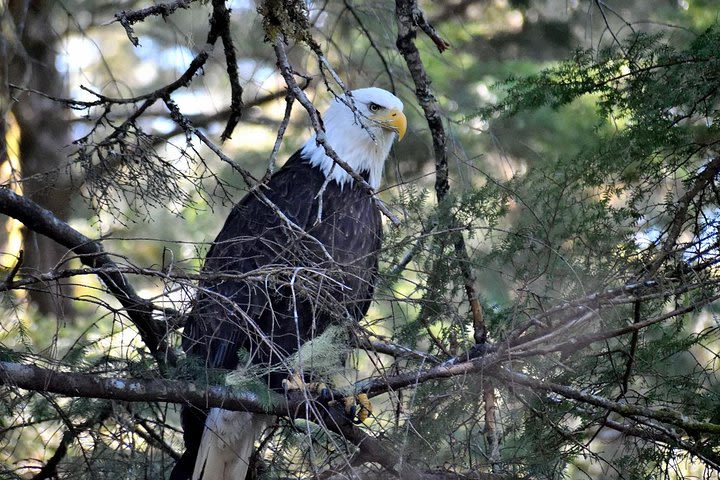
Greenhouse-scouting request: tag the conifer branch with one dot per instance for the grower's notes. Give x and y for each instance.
(703, 180)
(665, 415)
(409, 18)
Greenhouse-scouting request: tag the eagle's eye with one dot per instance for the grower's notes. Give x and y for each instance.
(373, 107)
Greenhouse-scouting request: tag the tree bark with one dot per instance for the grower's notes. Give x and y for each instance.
(44, 134)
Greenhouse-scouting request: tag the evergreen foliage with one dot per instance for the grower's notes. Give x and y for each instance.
(586, 190)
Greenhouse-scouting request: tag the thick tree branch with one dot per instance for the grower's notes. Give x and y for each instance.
(88, 385)
(91, 253)
(144, 390)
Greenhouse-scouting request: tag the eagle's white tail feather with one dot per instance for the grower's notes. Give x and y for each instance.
(227, 444)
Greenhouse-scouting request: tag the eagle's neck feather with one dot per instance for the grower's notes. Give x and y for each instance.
(365, 153)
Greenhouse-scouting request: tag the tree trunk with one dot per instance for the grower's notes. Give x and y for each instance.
(44, 133)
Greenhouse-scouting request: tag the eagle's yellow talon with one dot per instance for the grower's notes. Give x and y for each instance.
(365, 407)
(358, 407)
(318, 389)
(293, 382)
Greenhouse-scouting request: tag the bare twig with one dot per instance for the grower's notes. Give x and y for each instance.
(91, 385)
(129, 17)
(369, 36)
(14, 270)
(151, 436)
(419, 20)
(666, 436)
(49, 470)
(278, 139)
(632, 351)
(395, 350)
(189, 129)
(221, 21)
(492, 433)
(581, 341)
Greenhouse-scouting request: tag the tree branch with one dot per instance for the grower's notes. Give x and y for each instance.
(408, 13)
(49, 470)
(373, 45)
(129, 17)
(91, 385)
(665, 415)
(703, 179)
(88, 385)
(409, 17)
(91, 253)
(581, 341)
(221, 21)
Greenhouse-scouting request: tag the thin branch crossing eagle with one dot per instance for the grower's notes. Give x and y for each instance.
(294, 257)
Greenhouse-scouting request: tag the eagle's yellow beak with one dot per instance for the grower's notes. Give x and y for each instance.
(392, 119)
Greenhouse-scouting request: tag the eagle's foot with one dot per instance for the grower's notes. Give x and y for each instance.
(293, 382)
(318, 389)
(357, 408)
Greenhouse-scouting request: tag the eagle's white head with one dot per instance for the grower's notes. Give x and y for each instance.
(362, 136)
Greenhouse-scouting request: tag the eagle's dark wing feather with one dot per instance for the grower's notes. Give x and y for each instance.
(288, 282)
(270, 287)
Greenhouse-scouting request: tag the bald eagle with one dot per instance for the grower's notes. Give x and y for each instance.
(295, 256)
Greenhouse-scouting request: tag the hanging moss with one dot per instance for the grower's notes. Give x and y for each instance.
(289, 18)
